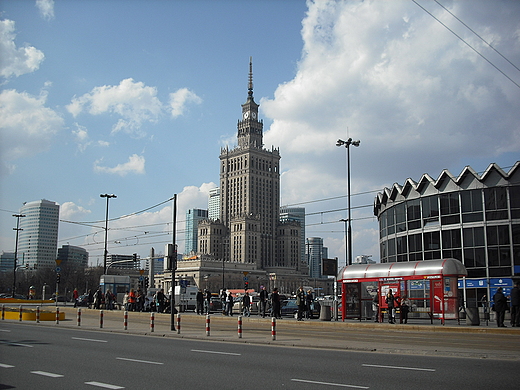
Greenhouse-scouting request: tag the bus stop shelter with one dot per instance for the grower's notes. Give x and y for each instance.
(430, 285)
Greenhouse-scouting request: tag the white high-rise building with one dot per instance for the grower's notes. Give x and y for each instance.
(316, 252)
(214, 204)
(38, 240)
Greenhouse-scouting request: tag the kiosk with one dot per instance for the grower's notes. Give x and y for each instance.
(430, 285)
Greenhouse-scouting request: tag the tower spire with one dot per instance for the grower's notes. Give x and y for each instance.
(250, 84)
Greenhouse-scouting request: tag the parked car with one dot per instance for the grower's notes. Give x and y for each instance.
(82, 301)
(238, 306)
(290, 308)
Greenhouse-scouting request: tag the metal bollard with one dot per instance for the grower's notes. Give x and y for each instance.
(239, 327)
(273, 328)
(57, 315)
(207, 325)
(21, 312)
(101, 318)
(37, 314)
(152, 318)
(125, 323)
(3, 312)
(178, 323)
(79, 316)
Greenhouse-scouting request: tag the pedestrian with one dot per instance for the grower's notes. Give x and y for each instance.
(309, 304)
(375, 307)
(405, 309)
(246, 303)
(264, 296)
(98, 297)
(159, 300)
(390, 302)
(131, 300)
(126, 301)
(300, 302)
(223, 297)
(109, 299)
(500, 307)
(75, 296)
(207, 301)
(229, 304)
(200, 302)
(275, 304)
(90, 299)
(515, 305)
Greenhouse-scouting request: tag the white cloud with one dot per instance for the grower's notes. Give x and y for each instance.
(135, 164)
(71, 211)
(418, 98)
(27, 127)
(179, 100)
(134, 102)
(46, 8)
(16, 61)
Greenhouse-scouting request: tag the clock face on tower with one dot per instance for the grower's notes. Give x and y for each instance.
(246, 115)
(253, 115)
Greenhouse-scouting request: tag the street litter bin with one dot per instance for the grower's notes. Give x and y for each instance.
(325, 313)
(472, 316)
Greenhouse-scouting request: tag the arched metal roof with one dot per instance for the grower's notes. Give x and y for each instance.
(452, 267)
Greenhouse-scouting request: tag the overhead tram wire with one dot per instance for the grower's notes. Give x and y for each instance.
(482, 39)
(471, 47)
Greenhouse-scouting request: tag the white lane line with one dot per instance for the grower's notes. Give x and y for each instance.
(400, 368)
(94, 340)
(216, 352)
(6, 365)
(16, 344)
(104, 385)
(330, 384)
(138, 361)
(5, 330)
(49, 374)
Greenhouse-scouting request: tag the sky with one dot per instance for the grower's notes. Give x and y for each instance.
(136, 98)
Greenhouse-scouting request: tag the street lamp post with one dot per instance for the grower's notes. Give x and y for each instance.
(108, 196)
(347, 144)
(17, 228)
(346, 239)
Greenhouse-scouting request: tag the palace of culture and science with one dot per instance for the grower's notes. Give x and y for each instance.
(248, 242)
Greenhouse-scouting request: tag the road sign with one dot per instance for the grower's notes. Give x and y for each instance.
(246, 278)
(58, 270)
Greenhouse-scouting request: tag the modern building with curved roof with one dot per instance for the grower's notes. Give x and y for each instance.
(471, 217)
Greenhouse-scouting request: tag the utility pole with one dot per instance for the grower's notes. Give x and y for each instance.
(17, 228)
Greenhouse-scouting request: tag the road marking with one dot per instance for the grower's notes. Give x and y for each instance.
(138, 361)
(4, 330)
(16, 344)
(399, 368)
(94, 340)
(49, 374)
(104, 385)
(330, 384)
(6, 365)
(216, 352)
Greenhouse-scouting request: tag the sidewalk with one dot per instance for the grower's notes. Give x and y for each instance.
(416, 337)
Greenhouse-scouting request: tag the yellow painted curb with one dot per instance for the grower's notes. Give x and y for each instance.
(31, 316)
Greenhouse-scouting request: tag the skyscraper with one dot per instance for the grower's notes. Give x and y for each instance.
(315, 253)
(193, 216)
(214, 204)
(249, 230)
(38, 242)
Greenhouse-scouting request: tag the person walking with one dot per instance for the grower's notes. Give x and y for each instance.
(500, 307)
(75, 296)
(309, 304)
(515, 305)
(200, 302)
(246, 305)
(207, 301)
(159, 300)
(300, 302)
(390, 302)
(275, 304)
(264, 296)
(131, 300)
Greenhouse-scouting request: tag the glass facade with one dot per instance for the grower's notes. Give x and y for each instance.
(478, 226)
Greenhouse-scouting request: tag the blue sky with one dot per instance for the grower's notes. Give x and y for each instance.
(136, 98)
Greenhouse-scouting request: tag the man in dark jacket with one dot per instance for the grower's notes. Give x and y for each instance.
(515, 306)
(391, 303)
(500, 307)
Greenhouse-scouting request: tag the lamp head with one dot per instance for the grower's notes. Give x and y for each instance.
(340, 142)
(356, 143)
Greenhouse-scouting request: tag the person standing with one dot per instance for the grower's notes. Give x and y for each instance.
(390, 302)
(263, 301)
(229, 304)
(159, 300)
(275, 304)
(405, 309)
(207, 301)
(246, 304)
(500, 306)
(300, 302)
(200, 302)
(515, 305)
(309, 303)
(131, 300)
(75, 296)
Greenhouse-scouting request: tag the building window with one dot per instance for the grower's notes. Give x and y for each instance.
(430, 211)
(450, 209)
(415, 247)
(514, 196)
(432, 245)
(413, 211)
(471, 205)
(496, 203)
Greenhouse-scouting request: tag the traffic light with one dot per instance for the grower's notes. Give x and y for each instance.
(134, 257)
(146, 282)
(246, 285)
(58, 278)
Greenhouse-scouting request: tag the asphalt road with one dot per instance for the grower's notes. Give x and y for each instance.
(49, 357)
